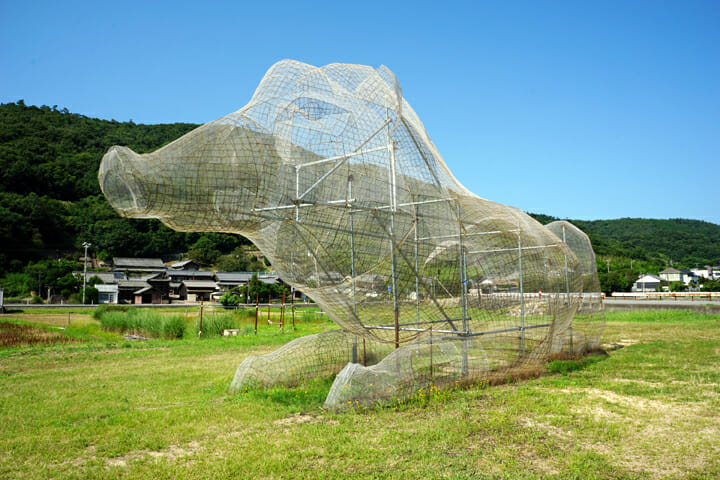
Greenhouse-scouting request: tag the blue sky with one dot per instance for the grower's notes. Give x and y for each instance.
(587, 110)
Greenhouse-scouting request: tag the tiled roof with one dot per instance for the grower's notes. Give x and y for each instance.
(233, 277)
(200, 284)
(130, 263)
(191, 273)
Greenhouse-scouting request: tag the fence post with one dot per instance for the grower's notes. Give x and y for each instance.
(257, 302)
(282, 314)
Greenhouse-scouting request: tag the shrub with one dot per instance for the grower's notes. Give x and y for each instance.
(140, 321)
(213, 325)
(173, 326)
(116, 321)
(148, 321)
(97, 313)
(91, 295)
(229, 299)
(100, 310)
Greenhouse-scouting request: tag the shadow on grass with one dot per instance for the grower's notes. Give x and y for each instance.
(565, 366)
(305, 396)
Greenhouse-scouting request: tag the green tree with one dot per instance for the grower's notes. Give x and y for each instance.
(91, 295)
(16, 284)
(678, 287)
(229, 299)
(710, 285)
(613, 282)
(204, 251)
(236, 261)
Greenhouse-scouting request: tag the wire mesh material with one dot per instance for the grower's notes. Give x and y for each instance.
(330, 172)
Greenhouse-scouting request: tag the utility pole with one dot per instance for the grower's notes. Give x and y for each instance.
(608, 264)
(86, 245)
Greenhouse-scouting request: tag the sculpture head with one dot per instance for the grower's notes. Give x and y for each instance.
(220, 176)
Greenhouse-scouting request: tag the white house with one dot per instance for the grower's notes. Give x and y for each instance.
(646, 283)
(675, 275)
(711, 273)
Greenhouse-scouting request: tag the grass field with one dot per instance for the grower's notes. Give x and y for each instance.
(112, 408)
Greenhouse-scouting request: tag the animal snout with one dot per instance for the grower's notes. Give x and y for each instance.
(120, 181)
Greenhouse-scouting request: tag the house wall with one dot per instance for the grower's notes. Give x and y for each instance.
(107, 297)
(672, 277)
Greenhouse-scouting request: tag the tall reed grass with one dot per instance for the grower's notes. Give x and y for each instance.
(213, 323)
(142, 322)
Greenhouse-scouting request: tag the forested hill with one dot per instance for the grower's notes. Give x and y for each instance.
(684, 242)
(50, 201)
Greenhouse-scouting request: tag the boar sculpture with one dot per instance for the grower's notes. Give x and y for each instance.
(331, 174)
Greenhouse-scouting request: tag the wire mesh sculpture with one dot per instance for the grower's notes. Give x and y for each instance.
(331, 174)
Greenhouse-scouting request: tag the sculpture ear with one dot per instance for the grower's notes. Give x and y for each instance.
(392, 82)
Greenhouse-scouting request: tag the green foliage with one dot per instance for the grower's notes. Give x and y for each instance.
(566, 366)
(173, 326)
(52, 272)
(308, 316)
(204, 251)
(36, 300)
(100, 310)
(678, 287)
(16, 284)
(141, 321)
(68, 282)
(50, 199)
(685, 242)
(236, 261)
(214, 324)
(613, 282)
(710, 286)
(91, 295)
(256, 288)
(229, 299)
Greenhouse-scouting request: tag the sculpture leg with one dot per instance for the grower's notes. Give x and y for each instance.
(320, 355)
(407, 371)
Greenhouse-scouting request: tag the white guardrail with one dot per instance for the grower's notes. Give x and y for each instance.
(664, 295)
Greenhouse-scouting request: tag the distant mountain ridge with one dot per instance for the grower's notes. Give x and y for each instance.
(685, 242)
(50, 201)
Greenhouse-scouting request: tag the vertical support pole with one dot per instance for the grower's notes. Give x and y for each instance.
(567, 290)
(431, 351)
(417, 275)
(522, 295)
(292, 305)
(463, 275)
(201, 315)
(282, 314)
(269, 300)
(463, 295)
(297, 192)
(257, 306)
(352, 243)
(352, 264)
(86, 245)
(393, 209)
